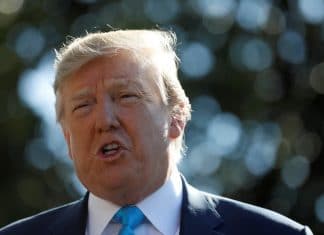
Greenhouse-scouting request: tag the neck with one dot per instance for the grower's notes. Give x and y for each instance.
(136, 194)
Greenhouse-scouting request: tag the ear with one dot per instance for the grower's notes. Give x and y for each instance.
(176, 128)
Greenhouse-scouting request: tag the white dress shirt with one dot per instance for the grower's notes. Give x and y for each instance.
(162, 211)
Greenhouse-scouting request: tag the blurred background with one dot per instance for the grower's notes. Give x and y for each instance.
(254, 72)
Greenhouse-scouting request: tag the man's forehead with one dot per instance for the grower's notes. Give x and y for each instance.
(117, 74)
(119, 82)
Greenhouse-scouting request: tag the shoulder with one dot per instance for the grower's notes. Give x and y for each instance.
(39, 223)
(247, 218)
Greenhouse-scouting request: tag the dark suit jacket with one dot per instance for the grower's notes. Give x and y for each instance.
(202, 214)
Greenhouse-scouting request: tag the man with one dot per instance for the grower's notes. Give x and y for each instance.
(123, 113)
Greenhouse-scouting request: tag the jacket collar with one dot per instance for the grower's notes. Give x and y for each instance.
(74, 220)
(198, 212)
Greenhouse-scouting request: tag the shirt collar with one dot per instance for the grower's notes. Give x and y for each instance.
(163, 203)
(99, 213)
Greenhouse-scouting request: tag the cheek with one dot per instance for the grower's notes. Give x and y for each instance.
(154, 135)
(148, 125)
(79, 140)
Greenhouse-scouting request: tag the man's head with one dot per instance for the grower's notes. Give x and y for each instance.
(122, 109)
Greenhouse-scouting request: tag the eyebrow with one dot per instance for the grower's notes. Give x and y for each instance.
(83, 93)
(123, 83)
(108, 84)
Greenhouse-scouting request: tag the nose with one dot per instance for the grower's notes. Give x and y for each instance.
(106, 116)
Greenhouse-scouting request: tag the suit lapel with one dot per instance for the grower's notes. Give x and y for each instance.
(198, 213)
(73, 220)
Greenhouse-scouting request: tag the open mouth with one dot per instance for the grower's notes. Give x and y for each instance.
(110, 150)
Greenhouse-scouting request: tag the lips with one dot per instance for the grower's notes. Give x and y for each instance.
(109, 150)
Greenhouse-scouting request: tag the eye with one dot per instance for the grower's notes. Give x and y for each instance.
(81, 106)
(127, 97)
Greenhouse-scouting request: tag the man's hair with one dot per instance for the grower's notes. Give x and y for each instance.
(154, 47)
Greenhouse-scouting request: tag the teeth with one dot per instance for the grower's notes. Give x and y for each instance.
(109, 147)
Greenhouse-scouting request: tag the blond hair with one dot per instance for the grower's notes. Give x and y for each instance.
(161, 47)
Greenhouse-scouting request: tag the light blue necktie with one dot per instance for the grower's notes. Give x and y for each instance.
(130, 217)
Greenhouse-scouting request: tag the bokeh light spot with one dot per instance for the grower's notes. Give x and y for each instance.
(257, 55)
(319, 208)
(38, 155)
(295, 171)
(10, 6)
(291, 47)
(235, 51)
(224, 132)
(35, 88)
(250, 53)
(217, 25)
(162, 11)
(29, 43)
(216, 8)
(218, 16)
(197, 60)
(36, 91)
(264, 140)
(253, 14)
(308, 144)
(312, 10)
(203, 160)
(204, 109)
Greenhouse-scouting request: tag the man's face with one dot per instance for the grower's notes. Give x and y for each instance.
(117, 128)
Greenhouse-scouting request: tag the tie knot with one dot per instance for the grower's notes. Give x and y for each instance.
(129, 216)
